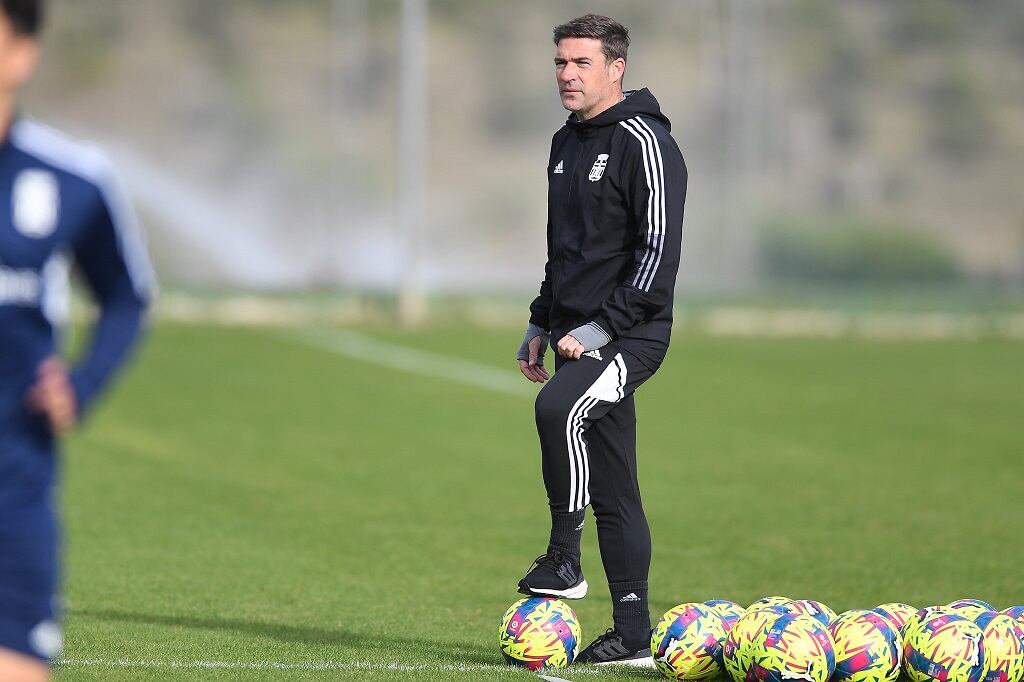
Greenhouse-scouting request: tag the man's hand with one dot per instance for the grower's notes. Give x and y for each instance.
(53, 396)
(569, 348)
(530, 369)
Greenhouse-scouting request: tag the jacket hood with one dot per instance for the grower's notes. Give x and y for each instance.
(637, 103)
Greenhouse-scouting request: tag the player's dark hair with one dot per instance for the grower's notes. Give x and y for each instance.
(614, 36)
(26, 16)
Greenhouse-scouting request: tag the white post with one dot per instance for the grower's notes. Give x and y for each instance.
(411, 161)
(745, 28)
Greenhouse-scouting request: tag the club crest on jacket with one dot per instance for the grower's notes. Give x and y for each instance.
(35, 203)
(598, 168)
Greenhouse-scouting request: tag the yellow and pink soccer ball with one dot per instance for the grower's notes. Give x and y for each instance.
(687, 642)
(1015, 612)
(896, 613)
(539, 632)
(768, 602)
(927, 613)
(771, 645)
(970, 603)
(794, 647)
(729, 611)
(869, 647)
(742, 641)
(813, 608)
(970, 608)
(940, 645)
(1004, 646)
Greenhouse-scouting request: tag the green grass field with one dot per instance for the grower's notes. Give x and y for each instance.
(249, 499)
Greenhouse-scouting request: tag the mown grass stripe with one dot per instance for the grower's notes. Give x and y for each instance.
(412, 360)
(368, 666)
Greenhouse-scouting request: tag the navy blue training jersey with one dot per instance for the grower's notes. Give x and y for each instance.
(61, 206)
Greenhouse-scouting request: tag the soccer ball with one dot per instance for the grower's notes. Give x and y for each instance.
(815, 609)
(768, 602)
(896, 613)
(923, 615)
(742, 640)
(794, 646)
(970, 608)
(962, 603)
(730, 611)
(868, 647)
(1004, 646)
(943, 646)
(539, 632)
(687, 642)
(1015, 612)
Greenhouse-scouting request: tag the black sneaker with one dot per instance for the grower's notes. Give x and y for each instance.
(611, 649)
(555, 575)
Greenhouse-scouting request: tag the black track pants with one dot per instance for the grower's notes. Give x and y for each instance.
(586, 419)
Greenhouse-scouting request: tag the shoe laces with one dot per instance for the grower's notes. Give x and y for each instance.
(611, 634)
(598, 646)
(550, 560)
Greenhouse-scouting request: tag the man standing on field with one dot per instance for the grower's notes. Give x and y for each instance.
(616, 188)
(59, 203)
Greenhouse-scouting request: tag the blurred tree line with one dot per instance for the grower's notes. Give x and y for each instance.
(816, 131)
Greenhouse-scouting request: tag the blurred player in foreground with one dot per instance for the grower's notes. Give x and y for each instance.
(616, 187)
(60, 206)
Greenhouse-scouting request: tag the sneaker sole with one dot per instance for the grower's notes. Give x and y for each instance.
(647, 662)
(578, 592)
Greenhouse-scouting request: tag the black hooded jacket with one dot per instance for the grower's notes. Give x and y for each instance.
(616, 188)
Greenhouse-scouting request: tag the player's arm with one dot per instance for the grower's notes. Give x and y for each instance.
(538, 334)
(112, 258)
(657, 191)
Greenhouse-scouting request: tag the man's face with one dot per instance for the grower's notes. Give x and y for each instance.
(585, 78)
(18, 57)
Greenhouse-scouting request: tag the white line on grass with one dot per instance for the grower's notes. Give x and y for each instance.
(425, 363)
(367, 666)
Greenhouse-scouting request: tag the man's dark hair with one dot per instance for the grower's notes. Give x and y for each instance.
(26, 16)
(614, 36)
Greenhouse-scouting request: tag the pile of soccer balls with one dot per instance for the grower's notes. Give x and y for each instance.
(777, 639)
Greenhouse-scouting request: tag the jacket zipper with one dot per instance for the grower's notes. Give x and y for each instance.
(572, 178)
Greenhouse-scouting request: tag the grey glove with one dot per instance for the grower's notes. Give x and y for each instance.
(533, 331)
(591, 336)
